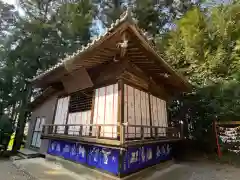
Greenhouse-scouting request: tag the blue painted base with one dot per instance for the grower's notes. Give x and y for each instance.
(115, 161)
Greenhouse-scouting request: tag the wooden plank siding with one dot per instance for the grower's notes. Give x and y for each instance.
(106, 110)
(137, 112)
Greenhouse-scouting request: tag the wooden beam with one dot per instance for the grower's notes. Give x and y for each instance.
(83, 139)
(149, 141)
(151, 52)
(135, 70)
(153, 87)
(130, 83)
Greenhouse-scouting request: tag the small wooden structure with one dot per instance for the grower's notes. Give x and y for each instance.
(228, 136)
(111, 103)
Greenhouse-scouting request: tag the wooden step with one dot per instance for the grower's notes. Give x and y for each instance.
(28, 153)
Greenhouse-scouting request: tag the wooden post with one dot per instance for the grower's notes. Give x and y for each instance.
(182, 130)
(80, 130)
(142, 133)
(121, 162)
(50, 129)
(55, 130)
(66, 130)
(43, 129)
(217, 142)
(156, 132)
(122, 134)
(98, 131)
(55, 110)
(150, 114)
(120, 107)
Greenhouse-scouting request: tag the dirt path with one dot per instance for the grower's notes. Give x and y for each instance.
(202, 171)
(9, 172)
(183, 171)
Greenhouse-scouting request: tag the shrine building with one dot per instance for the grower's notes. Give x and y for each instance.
(105, 106)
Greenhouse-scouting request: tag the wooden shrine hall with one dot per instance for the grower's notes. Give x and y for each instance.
(105, 106)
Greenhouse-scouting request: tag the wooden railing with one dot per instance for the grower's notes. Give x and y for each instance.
(122, 133)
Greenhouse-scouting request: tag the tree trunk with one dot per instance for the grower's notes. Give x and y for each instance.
(22, 118)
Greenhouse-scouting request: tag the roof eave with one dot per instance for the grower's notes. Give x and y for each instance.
(186, 86)
(94, 42)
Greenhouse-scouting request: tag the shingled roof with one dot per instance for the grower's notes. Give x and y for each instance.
(123, 17)
(143, 39)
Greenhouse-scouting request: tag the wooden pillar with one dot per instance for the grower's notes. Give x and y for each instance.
(66, 127)
(121, 162)
(150, 114)
(120, 108)
(92, 112)
(55, 110)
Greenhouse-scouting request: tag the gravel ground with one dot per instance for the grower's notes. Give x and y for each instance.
(9, 172)
(202, 171)
(184, 171)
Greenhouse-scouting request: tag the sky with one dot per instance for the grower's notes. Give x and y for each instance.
(10, 1)
(13, 2)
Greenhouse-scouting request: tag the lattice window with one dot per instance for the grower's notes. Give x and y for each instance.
(80, 101)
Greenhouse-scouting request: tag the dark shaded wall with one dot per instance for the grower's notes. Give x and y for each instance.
(45, 109)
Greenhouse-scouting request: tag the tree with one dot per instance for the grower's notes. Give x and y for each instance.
(153, 16)
(46, 33)
(204, 46)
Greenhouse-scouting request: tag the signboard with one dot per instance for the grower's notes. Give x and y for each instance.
(103, 158)
(108, 159)
(141, 157)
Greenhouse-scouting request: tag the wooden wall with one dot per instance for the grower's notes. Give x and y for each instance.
(136, 111)
(44, 110)
(159, 113)
(138, 106)
(105, 110)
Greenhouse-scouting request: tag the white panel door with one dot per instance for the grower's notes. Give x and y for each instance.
(85, 119)
(36, 138)
(36, 132)
(79, 118)
(72, 119)
(105, 110)
(61, 113)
